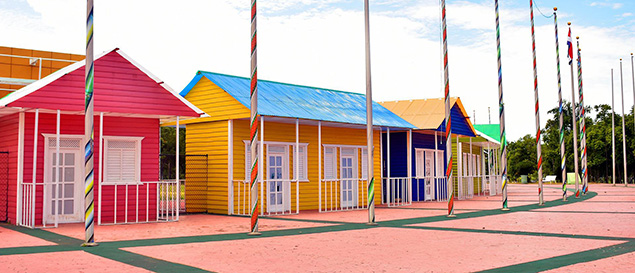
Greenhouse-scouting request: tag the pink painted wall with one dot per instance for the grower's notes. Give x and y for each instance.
(119, 87)
(9, 143)
(74, 125)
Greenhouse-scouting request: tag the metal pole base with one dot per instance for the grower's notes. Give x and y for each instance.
(452, 216)
(371, 224)
(541, 204)
(505, 209)
(89, 244)
(254, 233)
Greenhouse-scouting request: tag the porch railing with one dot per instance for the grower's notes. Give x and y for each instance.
(332, 198)
(270, 204)
(140, 202)
(398, 191)
(27, 205)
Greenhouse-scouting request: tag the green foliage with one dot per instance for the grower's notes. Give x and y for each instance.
(168, 140)
(522, 152)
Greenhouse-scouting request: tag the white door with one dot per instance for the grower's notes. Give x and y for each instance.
(348, 173)
(68, 199)
(429, 172)
(278, 186)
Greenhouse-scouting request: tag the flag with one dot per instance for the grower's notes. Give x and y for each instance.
(570, 47)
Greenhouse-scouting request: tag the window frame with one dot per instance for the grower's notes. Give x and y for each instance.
(104, 158)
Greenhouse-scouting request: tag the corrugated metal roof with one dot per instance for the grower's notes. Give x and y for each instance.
(296, 101)
(429, 114)
(491, 130)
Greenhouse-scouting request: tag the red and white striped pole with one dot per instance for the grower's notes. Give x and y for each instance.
(582, 112)
(448, 122)
(253, 185)
(537, 107)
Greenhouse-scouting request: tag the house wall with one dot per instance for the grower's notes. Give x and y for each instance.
(476, 150)
(113, 126)
(9, 143)
(213, 100)
(211, 138)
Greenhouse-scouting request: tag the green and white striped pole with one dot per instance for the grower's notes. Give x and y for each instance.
(501, 112)
(369, 120)
(89, 209)
(563, 158)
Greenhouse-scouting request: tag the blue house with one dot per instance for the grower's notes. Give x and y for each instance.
(423, 164)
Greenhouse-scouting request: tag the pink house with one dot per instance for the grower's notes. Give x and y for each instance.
(46, 118)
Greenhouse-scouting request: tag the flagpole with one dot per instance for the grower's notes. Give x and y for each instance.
(89, 210)
(623, 125)
(501, 111)
(582, 112)
(563, 158)
(574, 122)
(369, 121)
(537, 107)
(633, 75)
(253, 186)
(448, 122)
(613, 125)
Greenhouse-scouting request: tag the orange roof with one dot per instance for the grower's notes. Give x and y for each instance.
(425, 113)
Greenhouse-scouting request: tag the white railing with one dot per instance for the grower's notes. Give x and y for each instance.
(269, 201)
(398, 191)
(434, 188)
(27, 204)
(492, 184)
(334, 197)
(139, 202)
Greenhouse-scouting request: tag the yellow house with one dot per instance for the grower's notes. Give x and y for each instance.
(312, 146)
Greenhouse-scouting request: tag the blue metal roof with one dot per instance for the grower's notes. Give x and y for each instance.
(296, 101)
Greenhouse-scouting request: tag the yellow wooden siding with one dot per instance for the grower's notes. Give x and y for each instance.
(210, 138)
(214, 101)
(285, 132)
(465, 146)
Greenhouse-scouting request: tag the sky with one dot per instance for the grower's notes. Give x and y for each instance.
(320, 43)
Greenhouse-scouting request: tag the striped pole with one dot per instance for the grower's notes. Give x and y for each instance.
(369, 121)
(563, 158)
(501, 111)
(613, 125)
(448, 122)
(623, 125)
(89, 210)
(537, 106)
(582, 112)
(633, 77)
(575, 125)
(253, 185)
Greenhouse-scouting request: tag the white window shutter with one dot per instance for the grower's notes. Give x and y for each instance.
(419, 162)
(364, 163)
(247, 163)
(329, 163)
(122, 160)
(302, 163)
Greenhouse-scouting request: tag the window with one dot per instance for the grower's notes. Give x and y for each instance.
(122, 158)
(284, 147)
(302, 166)
(330, 163)
(364, 163)
(419, 159)
(248, 161)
